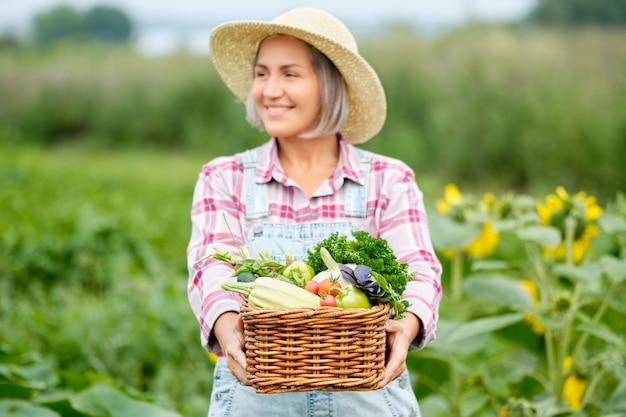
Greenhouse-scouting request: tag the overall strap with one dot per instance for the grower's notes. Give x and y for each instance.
(256, 194)
(356, 195)
(257, 205)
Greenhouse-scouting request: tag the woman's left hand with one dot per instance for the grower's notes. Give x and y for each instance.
(400, 334)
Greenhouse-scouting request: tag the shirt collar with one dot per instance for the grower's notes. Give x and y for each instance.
(349, 163)
(268, 157)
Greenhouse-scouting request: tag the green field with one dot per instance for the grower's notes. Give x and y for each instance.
(100, 149)
(93, 270)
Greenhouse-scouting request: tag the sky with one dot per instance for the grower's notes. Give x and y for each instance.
(156, 18)
(14, 13)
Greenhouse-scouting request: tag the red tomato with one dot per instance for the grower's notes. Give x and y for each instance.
(328, 301)
(312, 286)
(327, 284)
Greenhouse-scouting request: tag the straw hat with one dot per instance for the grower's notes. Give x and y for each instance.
(233, 47)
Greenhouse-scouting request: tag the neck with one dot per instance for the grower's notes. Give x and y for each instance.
(309, 162)
(321, 151)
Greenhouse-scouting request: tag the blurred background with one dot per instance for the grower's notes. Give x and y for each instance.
(109, 109)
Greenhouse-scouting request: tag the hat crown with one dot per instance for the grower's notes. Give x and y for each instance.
(319, 23)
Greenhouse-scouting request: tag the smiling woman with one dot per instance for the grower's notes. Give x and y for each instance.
(306, 85)
(285, 87)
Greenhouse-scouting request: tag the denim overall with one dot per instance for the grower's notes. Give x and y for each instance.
(230, 398)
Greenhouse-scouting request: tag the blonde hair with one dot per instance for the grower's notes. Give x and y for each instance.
(334, 98)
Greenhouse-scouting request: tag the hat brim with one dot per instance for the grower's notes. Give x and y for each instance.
(233, 47)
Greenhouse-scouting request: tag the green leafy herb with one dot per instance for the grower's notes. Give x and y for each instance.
(368, 250)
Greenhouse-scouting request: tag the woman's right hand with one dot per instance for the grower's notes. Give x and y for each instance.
(228, 330)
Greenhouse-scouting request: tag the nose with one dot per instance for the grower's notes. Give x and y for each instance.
(273, 88)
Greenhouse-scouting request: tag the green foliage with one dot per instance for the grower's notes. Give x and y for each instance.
(482, 107)
(530, 329)
(34, 386)
(8, 43)
(64, 23)
(117, 330)
(109, 24)
(490, 108)
(93, 273)
(579, 13)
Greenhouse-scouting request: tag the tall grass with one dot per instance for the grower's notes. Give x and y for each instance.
(482, 106)
(95, 213)
(523, 110)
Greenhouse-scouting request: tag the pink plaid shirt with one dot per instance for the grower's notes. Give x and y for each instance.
(395, 209)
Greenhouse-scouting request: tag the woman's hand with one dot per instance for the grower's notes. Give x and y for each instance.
(228, 330)
(400, 334)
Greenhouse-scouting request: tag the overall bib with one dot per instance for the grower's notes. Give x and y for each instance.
(230, 398)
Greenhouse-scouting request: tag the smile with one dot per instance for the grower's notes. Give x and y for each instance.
(277, 109)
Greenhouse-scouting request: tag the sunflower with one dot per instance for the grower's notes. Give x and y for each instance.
(485, 244)
(464, 210)
(517, 407)
(451, 202)
(574, 386)
(581, 210)
(530, 316)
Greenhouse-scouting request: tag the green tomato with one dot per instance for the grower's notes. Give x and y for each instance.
(350, 297)
(299, 272)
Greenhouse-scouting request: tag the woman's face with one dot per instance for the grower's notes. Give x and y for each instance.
(286, 88)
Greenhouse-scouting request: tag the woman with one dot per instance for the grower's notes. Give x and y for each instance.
(305, 84)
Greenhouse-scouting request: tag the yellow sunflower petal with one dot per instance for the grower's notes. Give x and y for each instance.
(442, 206)
(535, 323)
(567, 363)
(562, 193)
(531, 288)
(573, 391)
(452, 195)
(593, 212)
(212, 357)
(545, 213)
(485, 244)
(554, 202)
(579, 248)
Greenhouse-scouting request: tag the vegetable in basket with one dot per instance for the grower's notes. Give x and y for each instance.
(247, 269)
(350, 297)
(265, 266)
(375, 287)
(375, 253)
(266, 292)
(298, 272)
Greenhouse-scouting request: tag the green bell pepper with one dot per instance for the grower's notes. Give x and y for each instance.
(350, 297)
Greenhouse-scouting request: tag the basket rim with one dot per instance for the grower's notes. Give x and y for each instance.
(325, 311)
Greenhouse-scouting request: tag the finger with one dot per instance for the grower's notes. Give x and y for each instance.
(392, 326)
(395, 364)
(394, 368)
(240, 358)
(239, 372)
(237, 361)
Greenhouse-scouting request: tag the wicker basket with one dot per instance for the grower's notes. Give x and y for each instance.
(306, 349)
